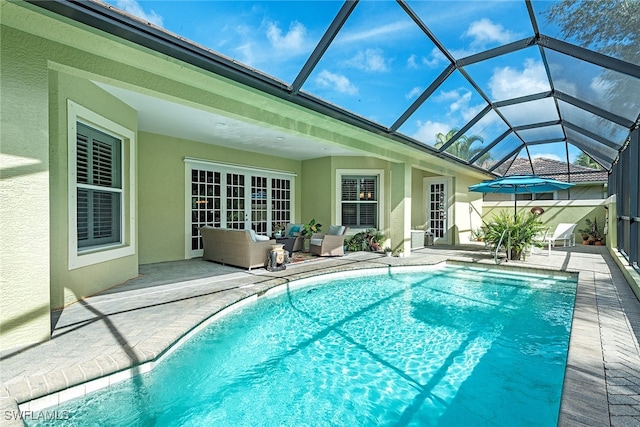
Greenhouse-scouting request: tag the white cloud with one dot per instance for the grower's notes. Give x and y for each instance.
(383, 31)
(369, 60)
(484, 32)
(292, 41)
(428, 130)
(411, 62)
(413, 93)
(134, 8)
(508, 82)
(434, 59)
(458, 103)
(338, 82)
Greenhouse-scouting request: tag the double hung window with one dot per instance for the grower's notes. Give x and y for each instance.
(359, 201)
(98, 187)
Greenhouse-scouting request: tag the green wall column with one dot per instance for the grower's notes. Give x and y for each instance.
(317, 192)
(400, 204)
(24, 194)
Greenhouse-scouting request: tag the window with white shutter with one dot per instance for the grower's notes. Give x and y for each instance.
(99, 187)
(359, 201)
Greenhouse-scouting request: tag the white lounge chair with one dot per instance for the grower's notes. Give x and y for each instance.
(564, 233)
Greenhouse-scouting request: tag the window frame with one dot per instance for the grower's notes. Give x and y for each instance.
(82, 257)
(379, 174)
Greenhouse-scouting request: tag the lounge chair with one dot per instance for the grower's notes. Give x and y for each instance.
(563, 233)
(329, 244)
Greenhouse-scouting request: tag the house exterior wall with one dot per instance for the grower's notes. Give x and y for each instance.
(71, 284)
(162, 185)
(24, 193)
(47, 61)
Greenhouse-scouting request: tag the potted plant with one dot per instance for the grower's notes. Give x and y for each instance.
(585, 233)
(594, 232)
(278, 229)
(477, 234)
(310, 228)
(520, 232)
(400, 252)
(388, 251)
(368, 240)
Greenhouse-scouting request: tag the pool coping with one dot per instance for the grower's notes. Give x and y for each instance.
(52, 400)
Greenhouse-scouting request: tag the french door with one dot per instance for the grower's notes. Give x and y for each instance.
(233, 197)
(437, 208)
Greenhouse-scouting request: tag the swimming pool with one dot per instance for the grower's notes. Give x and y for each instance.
(430, 346)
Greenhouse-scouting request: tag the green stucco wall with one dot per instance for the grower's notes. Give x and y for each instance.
(317, 197)
(71, 285)
(161, 197)
(24, 193)
(556, 212)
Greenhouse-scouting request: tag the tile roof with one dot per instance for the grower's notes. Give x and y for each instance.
(556, 169)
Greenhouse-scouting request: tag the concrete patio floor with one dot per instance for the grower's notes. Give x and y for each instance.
(124, 330)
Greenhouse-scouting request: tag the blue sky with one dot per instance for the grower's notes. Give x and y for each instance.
(380, 62)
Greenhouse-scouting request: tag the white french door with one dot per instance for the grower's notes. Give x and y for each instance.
(234, 197)
(437, 209)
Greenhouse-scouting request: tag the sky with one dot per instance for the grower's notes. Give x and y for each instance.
(381, 62)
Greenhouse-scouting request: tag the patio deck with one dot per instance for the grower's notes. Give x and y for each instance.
(122, 331)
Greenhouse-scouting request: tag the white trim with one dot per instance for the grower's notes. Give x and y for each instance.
(82, 258)
(338, 193)
(450, 220)
(224, 168)
(231, 166)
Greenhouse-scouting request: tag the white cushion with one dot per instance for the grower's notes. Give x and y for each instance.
(315, 242)
(336, 230)
(257, 237)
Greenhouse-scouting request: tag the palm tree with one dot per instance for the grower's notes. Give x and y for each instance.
(461, 147)
(583, 159)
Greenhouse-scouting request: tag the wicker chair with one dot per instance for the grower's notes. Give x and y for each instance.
(329, 244)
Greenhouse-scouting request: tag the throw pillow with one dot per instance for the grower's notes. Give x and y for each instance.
(336, 230)
(294, 229)
(261, 238)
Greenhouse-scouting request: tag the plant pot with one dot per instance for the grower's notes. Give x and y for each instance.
(585, 242)
(598, 243)
(388, 254)
(516, 255)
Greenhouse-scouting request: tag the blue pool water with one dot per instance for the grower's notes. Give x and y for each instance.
(451, 346)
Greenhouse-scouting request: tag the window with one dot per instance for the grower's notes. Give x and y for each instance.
(359, 201)
(99, 187)
(101, 164)
(535, 196)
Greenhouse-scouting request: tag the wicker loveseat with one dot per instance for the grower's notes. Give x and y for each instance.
(235, 247)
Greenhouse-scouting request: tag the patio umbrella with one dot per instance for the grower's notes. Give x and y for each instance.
(520, 184)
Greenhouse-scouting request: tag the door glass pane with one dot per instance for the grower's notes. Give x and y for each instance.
(259, 204)
(235, 201)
